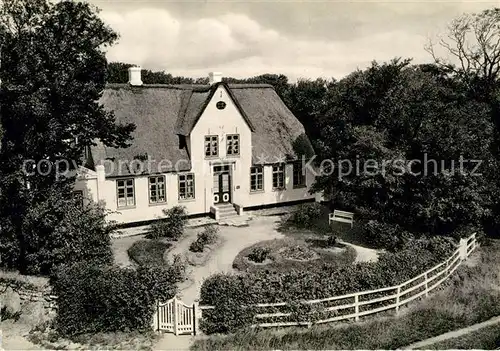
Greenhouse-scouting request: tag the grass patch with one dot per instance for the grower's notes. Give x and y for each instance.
(280, 258)
(487, 338)
(16, 279)
(148, 252)
(471, 296)
(46, 337)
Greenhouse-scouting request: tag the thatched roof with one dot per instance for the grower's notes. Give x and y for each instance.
(164, 113)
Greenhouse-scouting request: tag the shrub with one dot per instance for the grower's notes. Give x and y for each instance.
(172, 226)
(94, 299)
(63, 232)
(331, 241)
(196, 246)
(259, 254)
(148, 252)
(306, 215)
(385, 236)
(227, 293)
(207, 237)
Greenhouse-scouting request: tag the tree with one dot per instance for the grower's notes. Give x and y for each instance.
(473, 41)
(53, 73)
(380, 119)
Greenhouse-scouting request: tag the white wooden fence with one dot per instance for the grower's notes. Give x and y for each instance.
(360, 304)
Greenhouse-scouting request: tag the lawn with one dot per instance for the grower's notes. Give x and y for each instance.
(471, 296)
(487, 338)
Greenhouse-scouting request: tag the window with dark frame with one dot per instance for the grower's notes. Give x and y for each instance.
(233, 144)
(299, 177)
(257, 178)
(186, 186)
(279, 176)
(157, 191)
(211, 146)
(126, 193)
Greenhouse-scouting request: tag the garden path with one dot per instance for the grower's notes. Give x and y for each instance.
(364, 254)
(221, 260)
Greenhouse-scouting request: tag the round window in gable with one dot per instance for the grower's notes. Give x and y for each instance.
(221, 105)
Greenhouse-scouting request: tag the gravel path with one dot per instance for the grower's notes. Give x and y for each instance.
(221, 260)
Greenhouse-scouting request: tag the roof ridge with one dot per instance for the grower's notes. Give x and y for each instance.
(194, 87)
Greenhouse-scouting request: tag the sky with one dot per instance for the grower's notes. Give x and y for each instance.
(301, 39)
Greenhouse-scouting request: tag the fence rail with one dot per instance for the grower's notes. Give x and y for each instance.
(355, 304)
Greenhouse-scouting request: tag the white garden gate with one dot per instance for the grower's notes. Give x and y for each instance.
(174, 316)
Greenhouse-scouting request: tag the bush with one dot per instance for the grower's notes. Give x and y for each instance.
(94, 299)
(207, 237)
(148, 252)
(306, 215)
(196, 246)
(172, 226)
(63, 232)
(259, 254)
(385, 236)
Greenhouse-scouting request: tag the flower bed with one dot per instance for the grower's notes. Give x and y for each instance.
(289, 254)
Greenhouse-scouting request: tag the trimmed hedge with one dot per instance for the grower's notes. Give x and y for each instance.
(229, 292)
(148, 252)
(94, 299)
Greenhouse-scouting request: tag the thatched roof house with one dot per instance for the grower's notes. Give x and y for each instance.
(163, 114)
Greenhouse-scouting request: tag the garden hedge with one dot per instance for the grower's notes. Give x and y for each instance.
(228, 293)
(94, 299)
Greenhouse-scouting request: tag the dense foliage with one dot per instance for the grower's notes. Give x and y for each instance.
(232, 294)
(53, 73)
(306, 215)
(208, 236)
(60, 231)
(148, 252)
(95, 299)
(171, 226)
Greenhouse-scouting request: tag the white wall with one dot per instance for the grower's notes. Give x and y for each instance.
(270, 196)
(221, 122)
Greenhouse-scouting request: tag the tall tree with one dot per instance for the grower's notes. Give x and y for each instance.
(400, 133)
(472, 55)
(53, 73)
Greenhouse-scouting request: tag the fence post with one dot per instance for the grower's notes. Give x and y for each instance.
(356, 307)
(156, 317)
(463, 249)
(174, 302)
(195, 318)
(397, 299)
(426, 285)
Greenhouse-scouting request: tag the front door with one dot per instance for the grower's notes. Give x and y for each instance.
(222, 185)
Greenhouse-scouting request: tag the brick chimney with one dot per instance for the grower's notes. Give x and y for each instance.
(134, 76)
(214, 77)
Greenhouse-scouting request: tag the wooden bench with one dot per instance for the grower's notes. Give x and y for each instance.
(341, 216)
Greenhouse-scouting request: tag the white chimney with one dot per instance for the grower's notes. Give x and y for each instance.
(134, 76)
(215, 77)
